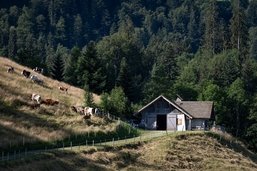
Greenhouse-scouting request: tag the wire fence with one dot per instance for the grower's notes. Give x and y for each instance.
(71, 145)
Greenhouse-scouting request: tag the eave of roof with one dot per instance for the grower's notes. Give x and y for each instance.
(172, 103)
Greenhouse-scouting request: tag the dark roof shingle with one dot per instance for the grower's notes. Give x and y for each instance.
(198, 109)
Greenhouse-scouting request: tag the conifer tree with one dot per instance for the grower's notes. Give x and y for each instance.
(239, 30)
(57, 68)
(12, 48)
(211, 27)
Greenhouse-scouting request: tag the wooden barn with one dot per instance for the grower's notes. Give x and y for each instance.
(163, 114)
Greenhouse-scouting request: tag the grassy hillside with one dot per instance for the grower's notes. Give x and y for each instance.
(19, 122)
(193, 151)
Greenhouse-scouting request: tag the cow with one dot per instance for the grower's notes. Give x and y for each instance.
(38, 70)
(89, 111)
(25, 73)
(78, 109)
(35, 79)
(98, 111)
(10, 69)
(63, 89)
(36, 97)
(50, 102)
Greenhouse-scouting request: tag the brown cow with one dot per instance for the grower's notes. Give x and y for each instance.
(25, 73)
(63, 89)
(50, 102)
(78, 109)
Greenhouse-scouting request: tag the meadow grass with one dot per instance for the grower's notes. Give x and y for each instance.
(20, 123)
(199, 151)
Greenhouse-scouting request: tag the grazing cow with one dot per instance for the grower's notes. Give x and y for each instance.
(10, 69)
(50, 102)
(98, 111)
(25, 73)
(78, 109)
(36, 97)
(63, 89)
(38, 70)
(89, 111)
(35, 79)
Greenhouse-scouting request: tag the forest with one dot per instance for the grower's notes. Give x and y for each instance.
(130, 52)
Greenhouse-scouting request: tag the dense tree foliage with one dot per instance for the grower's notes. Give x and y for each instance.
(133, 51)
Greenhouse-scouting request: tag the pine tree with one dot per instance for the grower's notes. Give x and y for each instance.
(124, 79)
(88, 97)
(70, 75)
(90, 71)
(57, 68)
(239, 30)
(77, 30)
(12, 48)
(211, 26)
(61, 30)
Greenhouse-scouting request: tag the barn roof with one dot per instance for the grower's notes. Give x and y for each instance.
(193, 109)
(170, 102)
(198, 109)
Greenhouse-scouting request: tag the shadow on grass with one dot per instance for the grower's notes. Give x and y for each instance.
(238, 147)
(67, 160)
(54, 161)
(10, 116)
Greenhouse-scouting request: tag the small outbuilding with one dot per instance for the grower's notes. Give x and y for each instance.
(179, 115)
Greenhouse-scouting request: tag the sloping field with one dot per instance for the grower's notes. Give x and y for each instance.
(20, 122)
(194, 151)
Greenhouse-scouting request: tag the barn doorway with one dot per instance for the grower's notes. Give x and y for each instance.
(161, 122)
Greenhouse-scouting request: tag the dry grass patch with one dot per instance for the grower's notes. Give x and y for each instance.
(196, 151)
(21, 120)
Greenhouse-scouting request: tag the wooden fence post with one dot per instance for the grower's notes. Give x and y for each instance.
(93, 143)
(71, 145)
(86, 142)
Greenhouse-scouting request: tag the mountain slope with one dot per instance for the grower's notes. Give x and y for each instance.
(20, 122)
(183, 151)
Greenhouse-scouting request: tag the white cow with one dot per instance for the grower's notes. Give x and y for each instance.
(35, 79)
(36, 97)
(89, 111)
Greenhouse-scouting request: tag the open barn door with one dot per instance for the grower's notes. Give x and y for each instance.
(161, 122)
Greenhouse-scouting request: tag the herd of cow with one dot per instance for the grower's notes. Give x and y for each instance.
(87, 112)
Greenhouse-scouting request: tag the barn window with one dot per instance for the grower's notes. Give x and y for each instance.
(179, 121)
